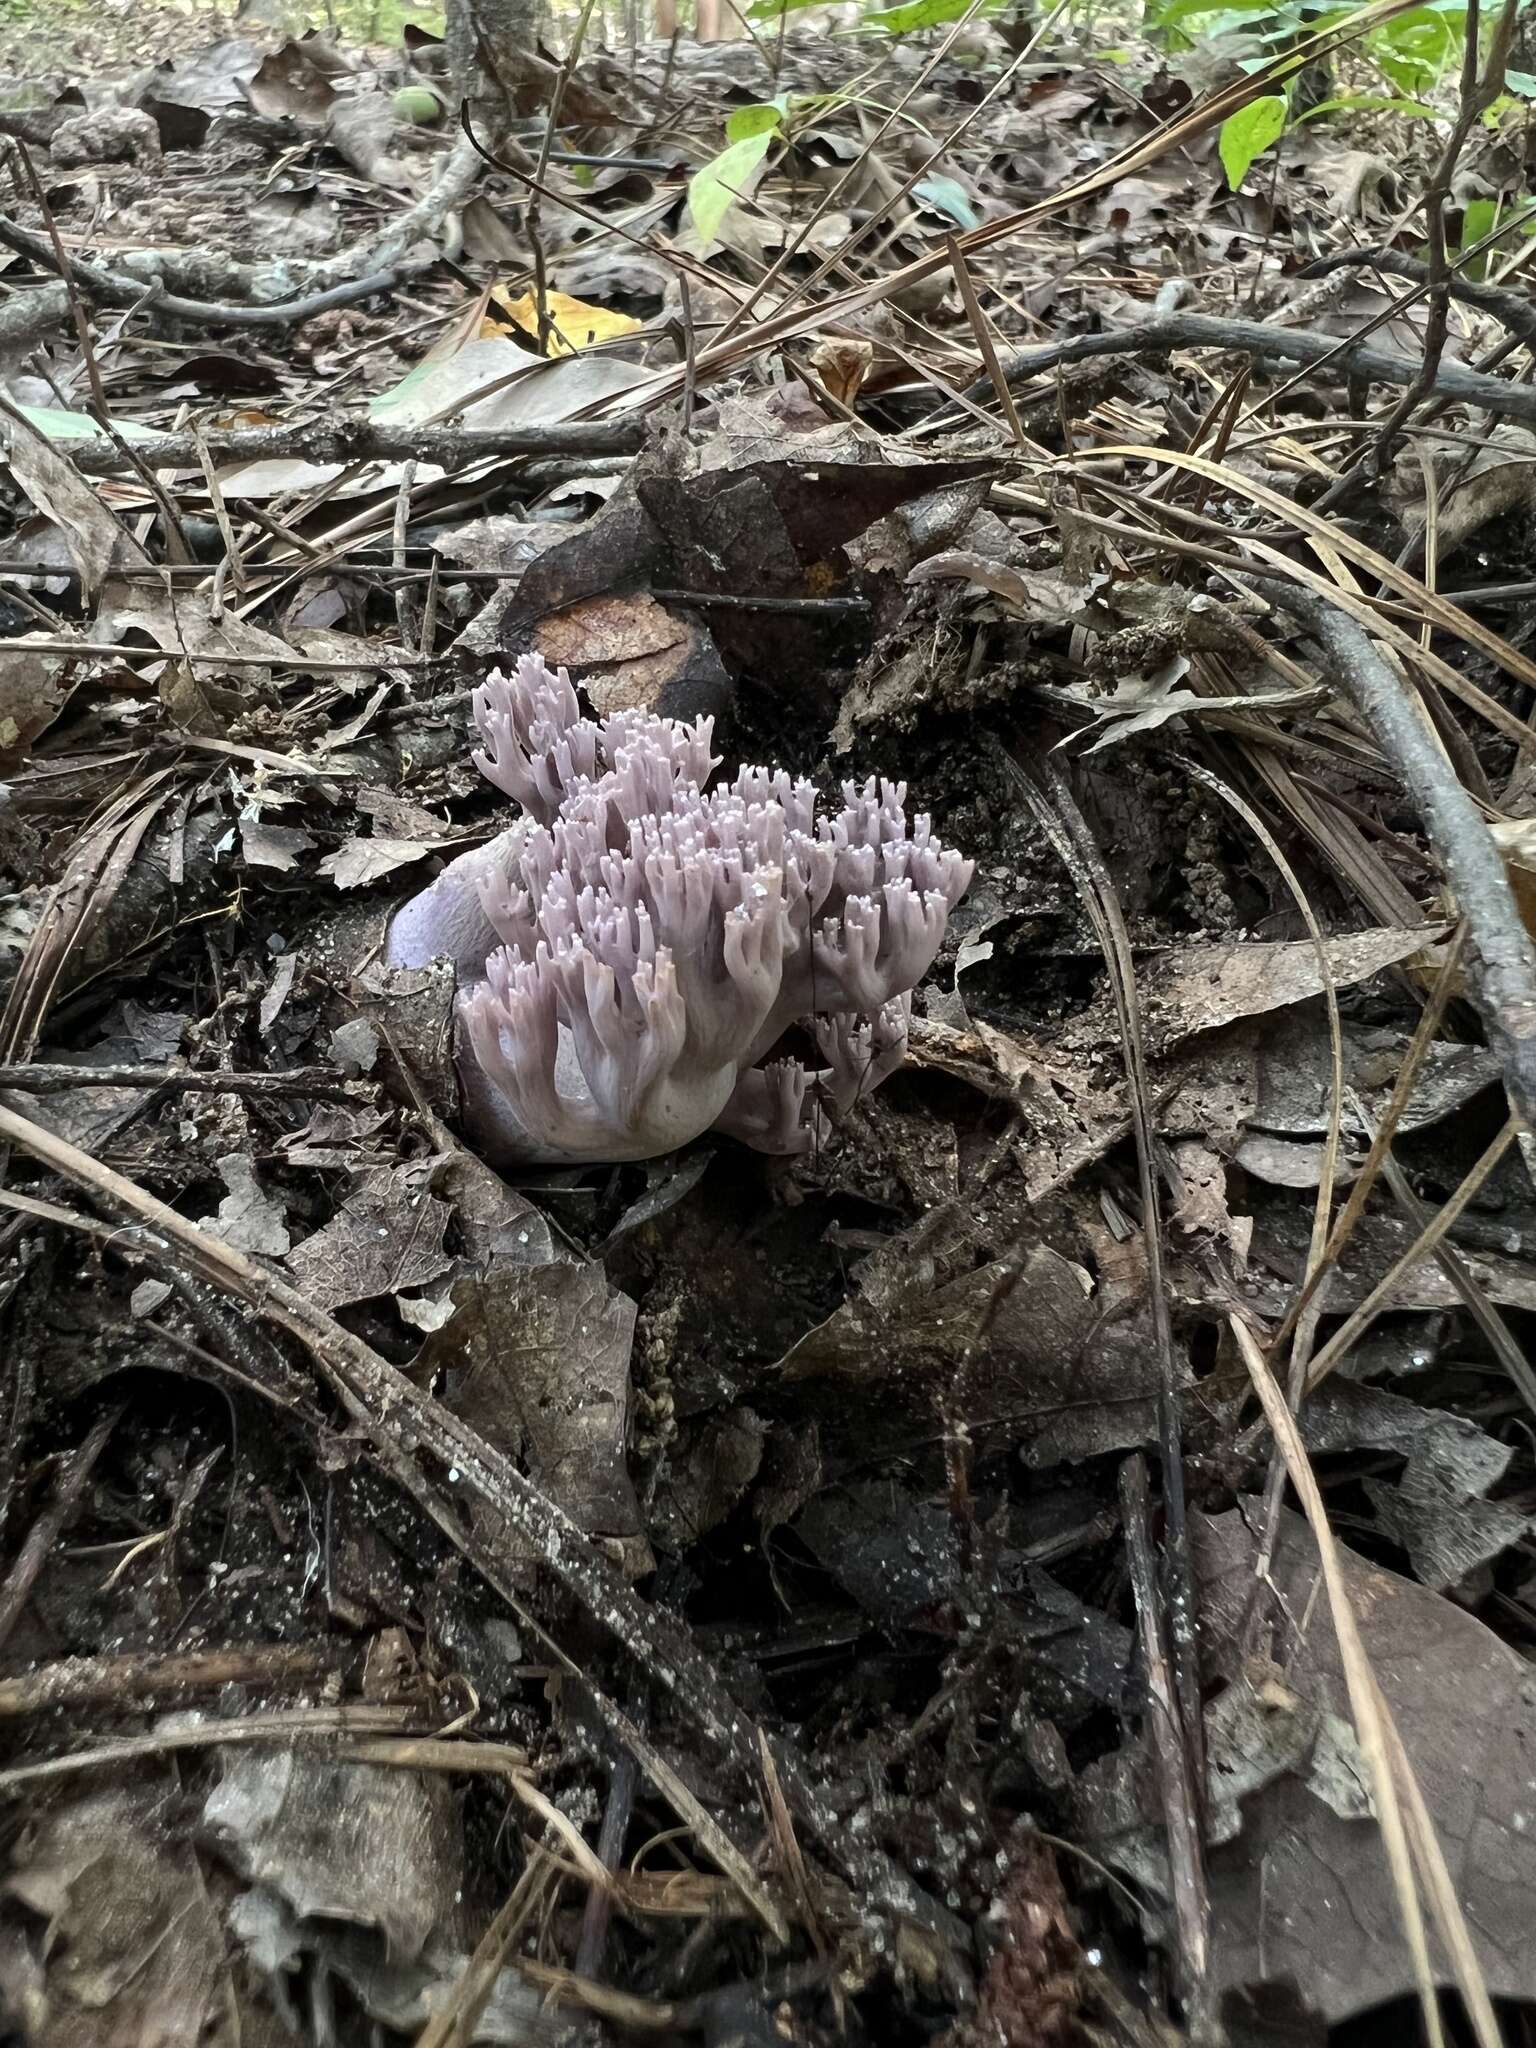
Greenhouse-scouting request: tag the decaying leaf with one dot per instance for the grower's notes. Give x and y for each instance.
(1303, 1893)
(131, 1947)
(264, 845)
(1039, 596)
(32, 694)
(361, 861)
(190, 626)
(55, 487)
(386, 1238)
(634, 649)
(572, 324)
(354, 1843)
(538, 1362)
(1437, 1510)
(1026, 1344)
(248, 1219)
(1198, 988)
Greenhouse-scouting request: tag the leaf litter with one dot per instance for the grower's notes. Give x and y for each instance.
(710, 1597)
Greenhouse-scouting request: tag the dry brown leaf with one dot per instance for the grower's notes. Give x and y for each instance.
(1303, 1892)
(32, 694)
(386, 1237)
(360, 861)
(56, 487)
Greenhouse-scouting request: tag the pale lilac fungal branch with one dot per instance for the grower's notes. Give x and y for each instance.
(631, 950)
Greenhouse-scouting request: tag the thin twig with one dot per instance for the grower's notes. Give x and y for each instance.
(139, 1680)
(1436, 1228)
(52, 1522)
(116, 288)
(1403, 1085)
(1181, 1815)
(1511, 309)
(411, 1434)
(1055, 809)
(1377, 1736)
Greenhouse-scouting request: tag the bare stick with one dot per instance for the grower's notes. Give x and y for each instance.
(51, 1523)
(1265, 344)
(1511, 309)
(411, 1434)
(58, 1078)
(116, 288)
(1501, 957)
(116, 1681)
(361, 441)
(1181, 1818)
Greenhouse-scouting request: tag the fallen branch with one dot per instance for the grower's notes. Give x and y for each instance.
(361, 441)
(60, 1077)
(36, 129)
(118, 288)
(1511, 309)
(1500, 956)
(1264, 344)
(27, 316)
(206, 278)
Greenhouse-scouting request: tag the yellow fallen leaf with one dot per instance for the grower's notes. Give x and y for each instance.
(573, 323)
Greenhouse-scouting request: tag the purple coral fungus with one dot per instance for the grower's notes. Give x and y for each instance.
(633, 947)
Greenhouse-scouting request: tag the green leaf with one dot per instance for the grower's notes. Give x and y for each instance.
(54, 424)
(903, 21)
(770, 10)
(1479, 217)
(1254, 10)
(1371, 103)
(763, 119)
(949, 196)
(1416, 49)
(1248, 133)
(1522, 82)
(713, 190)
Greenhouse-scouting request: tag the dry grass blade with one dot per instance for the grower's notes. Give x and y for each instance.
(1355, 1325)
(852, 172)
(1183, 1778)
(1327, 1180)
(1390, 1770)
(1501, 955)
(302, 1724)
(1181, 1810)
(92, 876)
(1305, 1325)
(454, 2025)
(1340, 589)
(1437, 610)
(1402, 1092)
(986, 348)
(1502, 1340)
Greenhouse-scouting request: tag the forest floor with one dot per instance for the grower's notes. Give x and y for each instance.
(1052, 1562)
